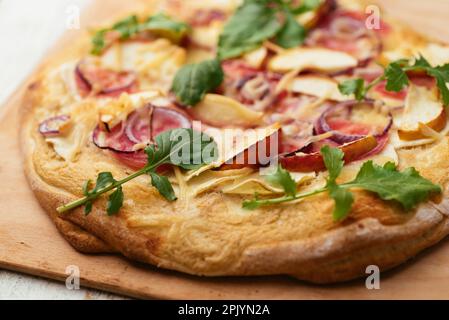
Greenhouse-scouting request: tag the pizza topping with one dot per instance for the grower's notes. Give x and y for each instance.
(423, 112)
(54, 126)
(346, 31)
(399, 74)
(203, 18)
(306, 161)
(312, 59)
(257, 21)
(406, 187)
(252, 87)
(258, 154)
(221, 111)
(352, 120)
(318, 86)
(193, 81)
(94, 80)
(184, 148)
(140, 128)
(158, 25)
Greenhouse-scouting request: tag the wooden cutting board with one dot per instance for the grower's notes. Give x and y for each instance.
(30, 243)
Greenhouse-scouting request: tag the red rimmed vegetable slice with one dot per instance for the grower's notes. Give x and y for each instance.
(53, 126)
(353, 120)
(92, 79)
(127, 138)
(309, 162)
(346, 31)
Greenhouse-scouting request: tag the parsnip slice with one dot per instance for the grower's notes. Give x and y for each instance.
(422, 109)
(319, 86)
(319, 59)
(220, 111)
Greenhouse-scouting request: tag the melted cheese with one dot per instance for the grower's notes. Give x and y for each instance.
(83, 119)
(156, 62)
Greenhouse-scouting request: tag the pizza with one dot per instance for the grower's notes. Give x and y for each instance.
(256, 137)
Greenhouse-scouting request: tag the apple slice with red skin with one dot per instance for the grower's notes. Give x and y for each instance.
(304, 162)
(243, 159)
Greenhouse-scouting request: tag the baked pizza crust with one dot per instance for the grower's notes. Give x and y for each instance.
(209, 236)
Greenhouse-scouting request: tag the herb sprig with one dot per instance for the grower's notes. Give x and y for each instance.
(397, 78)
(185, 148)
(406, 187)
(128, 27)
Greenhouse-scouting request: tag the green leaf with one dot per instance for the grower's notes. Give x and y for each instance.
(343, 201)
(396, 77)
(104, 179)
(353, 86)
(165, 27)
(420, 62)
(186, 148)
(333, 160)
(127, 27)
(193, 81)
(252, 24)
(159, 25)
(441, 74)
(306, 6)
(251, 204)
(292, 33)
(98, 42)
(406, 187)
(115, 201)
(283, 179)
(88, 208)
(164, 186)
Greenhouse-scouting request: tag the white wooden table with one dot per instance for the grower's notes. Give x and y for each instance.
(27, 29)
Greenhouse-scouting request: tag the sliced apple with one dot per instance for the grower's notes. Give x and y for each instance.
(308, 162)
(316, 59)
(422, 109)
(256, 57)
(259, 153)
(221, 111)
(318, 86)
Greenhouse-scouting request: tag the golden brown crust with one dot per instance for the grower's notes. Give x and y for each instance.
(214, 239)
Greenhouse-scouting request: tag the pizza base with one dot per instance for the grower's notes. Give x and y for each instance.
(377, 233)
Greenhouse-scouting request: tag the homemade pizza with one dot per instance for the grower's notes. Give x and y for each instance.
(245, 137)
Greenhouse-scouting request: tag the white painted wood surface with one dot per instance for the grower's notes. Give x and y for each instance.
(27, 29)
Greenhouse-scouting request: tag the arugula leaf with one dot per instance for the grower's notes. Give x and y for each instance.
(164, 186)
(160, 25)
(115, 201)
(104, 179)
(406, 187)
(252, 24)
(333, 160)
(396, 77)
(127, 27)
(164, 26)
(353, 86)
(98, 42)
(88, 206)
(441, 74)
(283, 179)
(292, 33)
(343, 201)
(185, 148)
(193, 81)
